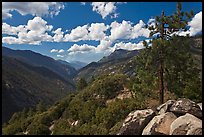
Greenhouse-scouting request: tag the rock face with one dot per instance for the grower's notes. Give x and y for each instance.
(165, 107)
(175, 117)
(200, 105)
(136, 121)
(159, 125)
(186, 125)
(183, 106)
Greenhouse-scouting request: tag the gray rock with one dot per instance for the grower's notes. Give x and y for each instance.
(186, 125)
(159, 125)
(200, 105)
(163, 108)
(136, 121)
(183, 106)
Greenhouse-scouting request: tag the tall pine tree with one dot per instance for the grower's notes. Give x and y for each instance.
(162, 64)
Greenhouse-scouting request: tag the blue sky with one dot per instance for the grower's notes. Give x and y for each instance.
(85, 32)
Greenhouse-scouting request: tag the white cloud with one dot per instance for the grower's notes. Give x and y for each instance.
(58, 37)
(129, 45)
(53, 50)
(80, 48)
(104, 44)
(77, 34)
(104, 8)
(10, 30)
(125, 30)
(97, 31)
(61, 51)
(39, 25)
(60, 56)
(139, 30)
(57, 51)
(196, 24)
(83, 3)
(120, 30)
(33, 33)
(33, 8)
(11, 40)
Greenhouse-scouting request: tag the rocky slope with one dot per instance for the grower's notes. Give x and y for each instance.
(120, 61)
(175, 117)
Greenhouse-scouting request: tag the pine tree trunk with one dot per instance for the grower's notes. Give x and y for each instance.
(161, 69)
(161, 83)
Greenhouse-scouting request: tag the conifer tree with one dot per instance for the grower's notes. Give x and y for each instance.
(154, 59)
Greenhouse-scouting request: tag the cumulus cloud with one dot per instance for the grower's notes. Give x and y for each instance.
(77, 34)
(104, 44)
(97, 31)
(33, 33)
(11, 30)
(80, 48)
(11, 40)
(139, 30)
(128, 46)
(120, 30)
(39, 25)
(61, 51)
(196, 24)
(125, 30)
(33, 8)
(58, 37)
(105, 8)
(53, 50)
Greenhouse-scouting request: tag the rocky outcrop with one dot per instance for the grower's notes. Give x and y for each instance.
(123, 94)
(175, 117)
(165, 107)
(159, 125)
(186, 125)
(136, 121)
(200, 105)
(183, 106)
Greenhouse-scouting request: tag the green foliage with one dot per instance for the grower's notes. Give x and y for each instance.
(62, 127)
(40, 107)
(168, 63)
(26, 123)
(181, 73)
(108, 85)
(81, 84)
(38, 129)
(11, 129)
(95, 117)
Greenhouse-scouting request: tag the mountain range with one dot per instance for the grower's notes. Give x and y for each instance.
(36, 59)
(120, 61)
(24, 85)
(76, 64)
(29, 77)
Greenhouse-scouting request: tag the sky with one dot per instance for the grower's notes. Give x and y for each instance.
(85, 31)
